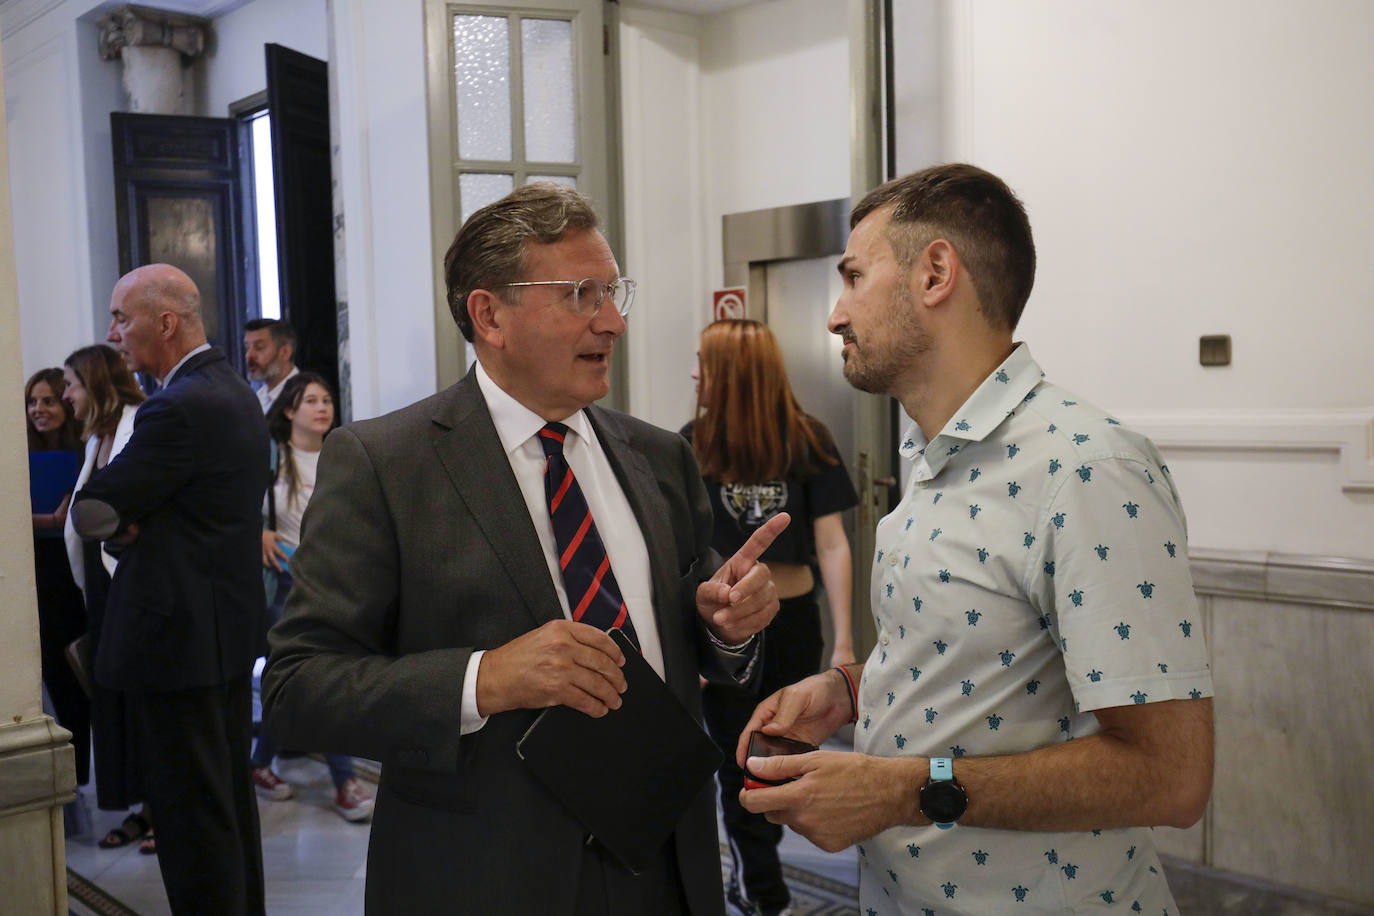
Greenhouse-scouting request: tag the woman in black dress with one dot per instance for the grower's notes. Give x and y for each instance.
(54, 458)
(761, 454)
(105, 397)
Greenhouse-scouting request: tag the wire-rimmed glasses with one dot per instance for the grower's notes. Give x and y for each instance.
(586, 295)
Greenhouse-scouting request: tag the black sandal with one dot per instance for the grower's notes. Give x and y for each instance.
(134, 828)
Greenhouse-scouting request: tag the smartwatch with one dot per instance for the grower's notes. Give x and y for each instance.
(942, 799)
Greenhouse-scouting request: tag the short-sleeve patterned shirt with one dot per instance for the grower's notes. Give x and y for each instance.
(1035, 570)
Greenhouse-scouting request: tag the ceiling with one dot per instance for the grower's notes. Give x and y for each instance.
(211, 9)
(695, 7)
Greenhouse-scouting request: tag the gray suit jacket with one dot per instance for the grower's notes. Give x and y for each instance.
(417, 548)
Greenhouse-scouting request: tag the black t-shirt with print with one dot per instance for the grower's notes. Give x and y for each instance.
(806, 494)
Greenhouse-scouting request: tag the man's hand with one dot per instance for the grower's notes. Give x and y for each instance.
(560, 664)
(273, 557)
(810, 710)
(740, 599)
(124, 539)
(840, 798)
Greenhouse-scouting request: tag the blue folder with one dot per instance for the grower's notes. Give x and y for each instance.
(51, 477)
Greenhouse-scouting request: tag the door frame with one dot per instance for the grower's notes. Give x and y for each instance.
(596, 62)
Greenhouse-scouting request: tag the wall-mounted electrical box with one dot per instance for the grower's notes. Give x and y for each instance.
(1214, 350)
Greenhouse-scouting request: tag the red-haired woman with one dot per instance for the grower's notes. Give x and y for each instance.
(760, 454)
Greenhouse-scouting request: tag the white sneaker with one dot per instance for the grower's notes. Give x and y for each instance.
(352, 801)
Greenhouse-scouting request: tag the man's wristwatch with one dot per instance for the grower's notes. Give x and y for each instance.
(942, 799)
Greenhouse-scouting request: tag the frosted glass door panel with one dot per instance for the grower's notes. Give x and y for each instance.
(477, 189)
(481, 73)
(550, 115)
(565, 180)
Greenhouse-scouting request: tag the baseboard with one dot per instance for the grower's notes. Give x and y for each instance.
(37, 766)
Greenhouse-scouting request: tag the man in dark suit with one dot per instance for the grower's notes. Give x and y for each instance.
(184, 617)
(431, 619)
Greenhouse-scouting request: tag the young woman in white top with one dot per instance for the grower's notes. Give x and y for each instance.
(298, 421)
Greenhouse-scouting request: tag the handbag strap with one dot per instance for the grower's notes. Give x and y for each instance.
(272, 489)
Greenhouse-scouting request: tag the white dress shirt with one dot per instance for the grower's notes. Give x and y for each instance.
(75, 550)
(267, 395)
(518, 427)
(162, 382)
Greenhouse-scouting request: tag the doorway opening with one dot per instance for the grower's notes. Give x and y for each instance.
(786, 257)
(263, 209)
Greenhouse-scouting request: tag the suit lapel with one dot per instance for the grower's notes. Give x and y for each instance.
(465, 440)
(640, 486)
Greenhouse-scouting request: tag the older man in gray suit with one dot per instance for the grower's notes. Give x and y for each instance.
(438, 604)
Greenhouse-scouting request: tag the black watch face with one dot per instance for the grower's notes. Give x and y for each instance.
(943, 802)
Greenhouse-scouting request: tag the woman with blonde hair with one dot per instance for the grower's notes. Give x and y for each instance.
(104, 396)
(761, 454)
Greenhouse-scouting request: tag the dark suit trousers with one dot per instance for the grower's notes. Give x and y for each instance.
(792, 651)
(606, 888)
(195, 750)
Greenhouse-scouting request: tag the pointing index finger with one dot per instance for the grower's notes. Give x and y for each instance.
(760, 540)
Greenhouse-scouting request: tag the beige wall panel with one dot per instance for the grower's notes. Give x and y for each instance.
(32, 856)
(1190, 844)
(1293, 800)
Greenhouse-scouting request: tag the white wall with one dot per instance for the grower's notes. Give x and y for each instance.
(95, 258)
(775, 87)
(384, 176)
(235, 63)
(721, 114)
(664, 215)
(1193, 169)
(43, 95)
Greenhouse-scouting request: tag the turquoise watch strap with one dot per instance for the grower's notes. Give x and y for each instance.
(942, 770)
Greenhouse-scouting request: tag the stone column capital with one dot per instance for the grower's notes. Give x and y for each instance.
(138, 26)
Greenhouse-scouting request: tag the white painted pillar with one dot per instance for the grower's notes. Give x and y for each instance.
(37, 763)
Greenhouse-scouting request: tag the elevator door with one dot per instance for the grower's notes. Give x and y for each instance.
(797, 296)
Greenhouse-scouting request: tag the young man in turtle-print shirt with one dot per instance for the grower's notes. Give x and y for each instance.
(1040, 692)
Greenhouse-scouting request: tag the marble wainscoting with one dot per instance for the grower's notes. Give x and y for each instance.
(37, 777)
(1292, 648)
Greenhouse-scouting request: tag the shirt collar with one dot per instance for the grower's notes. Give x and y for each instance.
(515, 423)
(163, 382)
(987, 408)
(276, 390)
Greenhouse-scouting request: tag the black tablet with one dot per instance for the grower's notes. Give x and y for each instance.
(629, 775)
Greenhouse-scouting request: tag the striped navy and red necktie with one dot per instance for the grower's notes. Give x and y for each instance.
(593, 595)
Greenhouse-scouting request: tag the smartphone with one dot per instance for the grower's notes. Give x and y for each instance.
(761, 745)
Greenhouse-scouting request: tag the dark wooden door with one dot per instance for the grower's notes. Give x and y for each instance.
(298, 99)
(178, 200)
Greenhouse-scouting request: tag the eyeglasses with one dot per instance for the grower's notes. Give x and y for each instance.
(585, 296)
